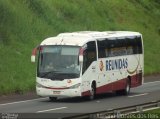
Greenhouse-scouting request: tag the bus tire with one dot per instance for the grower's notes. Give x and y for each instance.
(52, 98)
(125, 91)
(92, 92)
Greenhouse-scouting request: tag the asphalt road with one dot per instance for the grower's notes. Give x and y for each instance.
(149, 91)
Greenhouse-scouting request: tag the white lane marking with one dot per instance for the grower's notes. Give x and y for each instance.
(151, 109)
(152, 82)
(21, 101)
(138, 95)
(51, 109)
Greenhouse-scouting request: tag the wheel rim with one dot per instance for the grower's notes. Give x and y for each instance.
(127, 88)
(92, 92)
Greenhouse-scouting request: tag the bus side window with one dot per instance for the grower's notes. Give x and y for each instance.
(129, 50)
(101, 49)
(139, 44)
(131, 46)
(117, 47)
(89, 55)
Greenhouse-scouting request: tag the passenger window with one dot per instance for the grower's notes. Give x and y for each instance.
(139, 44)
(119, 46)
(118, 51)
(129, 50)
(89, 55)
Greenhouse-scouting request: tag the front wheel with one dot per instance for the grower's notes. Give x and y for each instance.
(92, 92)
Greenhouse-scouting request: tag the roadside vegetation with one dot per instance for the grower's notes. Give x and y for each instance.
(154, 111)
(151, 114)
(25, 23)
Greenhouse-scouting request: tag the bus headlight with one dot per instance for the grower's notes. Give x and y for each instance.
(39, 85)
(75, 86)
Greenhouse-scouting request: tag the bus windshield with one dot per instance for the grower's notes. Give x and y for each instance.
(58, 62)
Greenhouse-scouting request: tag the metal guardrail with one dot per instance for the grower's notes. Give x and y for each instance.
(116, 113)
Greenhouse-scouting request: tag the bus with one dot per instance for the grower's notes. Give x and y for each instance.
(87, 63)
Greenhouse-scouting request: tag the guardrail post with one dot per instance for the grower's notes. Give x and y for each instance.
(158, 104)
(139, 109)
(93, 116)
(117, 114)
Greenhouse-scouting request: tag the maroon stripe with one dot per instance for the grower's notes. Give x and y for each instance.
(136, 80)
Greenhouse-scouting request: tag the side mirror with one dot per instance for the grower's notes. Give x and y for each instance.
(81, 50)
(33, 59)
(33, 56)
(81, 58)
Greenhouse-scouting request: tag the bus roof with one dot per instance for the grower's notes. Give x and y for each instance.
(82, 37)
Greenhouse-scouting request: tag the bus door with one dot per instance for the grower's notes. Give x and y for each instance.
(89, 67)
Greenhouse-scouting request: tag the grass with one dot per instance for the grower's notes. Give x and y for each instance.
(152, 114)
(154, 111)
(25, 23)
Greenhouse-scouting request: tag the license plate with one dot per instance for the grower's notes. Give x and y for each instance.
(56, 92)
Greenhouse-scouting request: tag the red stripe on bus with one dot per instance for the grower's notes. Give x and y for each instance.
(136, 80)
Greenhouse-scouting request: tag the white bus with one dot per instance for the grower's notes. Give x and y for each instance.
(87, 63)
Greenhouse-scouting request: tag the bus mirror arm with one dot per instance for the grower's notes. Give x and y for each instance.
(80, 58)
(33, 56)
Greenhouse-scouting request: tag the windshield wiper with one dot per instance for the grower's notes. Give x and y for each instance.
(58, 75)
(47, 73)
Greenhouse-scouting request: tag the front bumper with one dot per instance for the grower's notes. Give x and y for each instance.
(45, 92)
